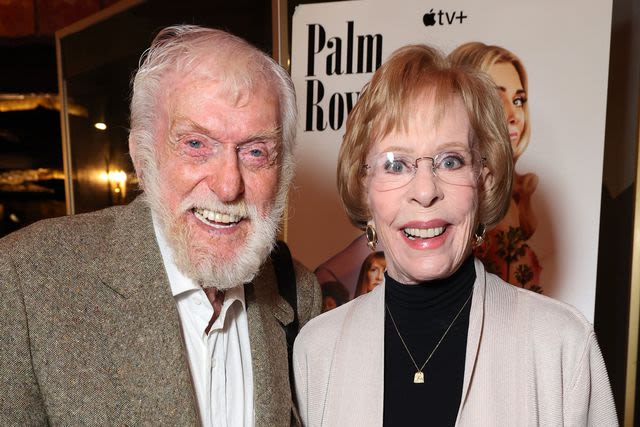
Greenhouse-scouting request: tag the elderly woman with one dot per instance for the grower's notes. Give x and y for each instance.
(426, 167)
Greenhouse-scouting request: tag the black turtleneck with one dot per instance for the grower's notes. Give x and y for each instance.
(422, 313)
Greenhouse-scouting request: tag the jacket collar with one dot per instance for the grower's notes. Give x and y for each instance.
(267, 312)
(132, 249)
(476, 323)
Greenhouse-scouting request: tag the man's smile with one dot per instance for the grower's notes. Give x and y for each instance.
(217, 219)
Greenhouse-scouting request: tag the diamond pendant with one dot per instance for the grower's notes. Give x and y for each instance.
(418, 378)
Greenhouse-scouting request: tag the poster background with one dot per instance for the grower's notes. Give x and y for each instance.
(565, 49)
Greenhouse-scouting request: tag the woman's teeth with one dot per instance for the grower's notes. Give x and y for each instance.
(423, 233)
(209, 217)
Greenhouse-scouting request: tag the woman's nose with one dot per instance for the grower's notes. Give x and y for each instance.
(425, 186)
(511, 112)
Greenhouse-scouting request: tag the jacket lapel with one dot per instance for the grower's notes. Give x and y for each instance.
(148, 348)
(267, 312)
(356, 381)
(476, 323)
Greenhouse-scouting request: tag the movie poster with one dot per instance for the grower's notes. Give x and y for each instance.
(550, 61)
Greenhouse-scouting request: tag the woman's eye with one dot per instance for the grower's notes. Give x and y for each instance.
(451, 161)
(395, 166)
(519, 101)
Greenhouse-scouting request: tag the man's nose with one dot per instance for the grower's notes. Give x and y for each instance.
(225, 177)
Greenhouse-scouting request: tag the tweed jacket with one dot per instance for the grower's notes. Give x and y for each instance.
(90, 333)
(530, 361)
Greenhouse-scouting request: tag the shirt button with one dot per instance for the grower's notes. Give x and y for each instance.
(213, 363)
(198, 302)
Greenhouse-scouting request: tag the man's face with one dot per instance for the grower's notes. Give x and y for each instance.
(218, 170)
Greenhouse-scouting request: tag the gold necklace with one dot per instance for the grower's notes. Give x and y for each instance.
(418, 377)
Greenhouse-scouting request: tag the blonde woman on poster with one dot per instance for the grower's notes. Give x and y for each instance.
(425, 167)
(506, 250)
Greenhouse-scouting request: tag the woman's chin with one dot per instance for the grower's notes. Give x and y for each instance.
(426, 266)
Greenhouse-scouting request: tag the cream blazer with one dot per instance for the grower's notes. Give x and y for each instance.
(530, 361)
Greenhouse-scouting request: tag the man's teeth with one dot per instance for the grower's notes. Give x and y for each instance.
(217, 217)
(423, 233)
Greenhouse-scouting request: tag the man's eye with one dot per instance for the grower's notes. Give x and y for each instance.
(257, 152)
(254, 156)
(194, 143)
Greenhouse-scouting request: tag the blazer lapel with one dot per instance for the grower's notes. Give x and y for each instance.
(267, 312)
(356, 382)
(476, 323)
(148, 348)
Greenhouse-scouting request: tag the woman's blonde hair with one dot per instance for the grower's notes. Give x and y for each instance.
(386, 103)
(482, 57)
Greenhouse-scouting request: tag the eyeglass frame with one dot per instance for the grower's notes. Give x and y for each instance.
(482, 163)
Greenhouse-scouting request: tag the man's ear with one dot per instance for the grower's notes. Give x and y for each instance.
(133, 152)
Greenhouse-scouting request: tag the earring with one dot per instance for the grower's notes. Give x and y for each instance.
(478, 236)
(372, 236)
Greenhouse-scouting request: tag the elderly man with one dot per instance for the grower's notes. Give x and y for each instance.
(171, 310)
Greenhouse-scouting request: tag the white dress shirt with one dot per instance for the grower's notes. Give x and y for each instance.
(220, 362)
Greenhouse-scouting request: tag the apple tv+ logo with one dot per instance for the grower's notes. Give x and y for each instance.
(450, 18)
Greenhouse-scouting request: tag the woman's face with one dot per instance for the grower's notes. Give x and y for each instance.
(375, 273)
(426, 225)
(513, 96)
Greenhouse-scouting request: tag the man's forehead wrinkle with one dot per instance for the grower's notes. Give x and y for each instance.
(182, 123)
(236, 76)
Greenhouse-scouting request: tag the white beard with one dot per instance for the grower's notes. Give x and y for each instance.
(199, 261)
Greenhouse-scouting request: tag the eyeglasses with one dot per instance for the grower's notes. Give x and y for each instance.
(390, 171)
